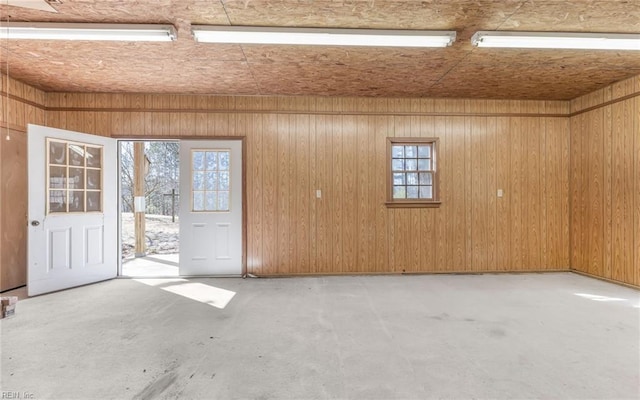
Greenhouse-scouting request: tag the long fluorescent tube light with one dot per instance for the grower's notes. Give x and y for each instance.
(322, 37)
(87, 31)
(557, 40)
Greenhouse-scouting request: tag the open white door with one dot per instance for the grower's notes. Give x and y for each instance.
(211, 208)
(73, 203)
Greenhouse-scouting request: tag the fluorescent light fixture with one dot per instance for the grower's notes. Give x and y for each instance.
(322, 36)
(86, 31)
(557, 40)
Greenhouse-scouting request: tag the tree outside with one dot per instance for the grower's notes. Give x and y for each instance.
(162, 181)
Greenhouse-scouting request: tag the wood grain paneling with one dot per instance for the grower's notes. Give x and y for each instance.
(516, 177)
(504, 182)
(296, 146)
(558, 191)
(636, 179)
(604, 175)
(21, 104)
(13, 209)
(563, 177)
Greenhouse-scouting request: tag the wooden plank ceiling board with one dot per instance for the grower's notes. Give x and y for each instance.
(460, 71)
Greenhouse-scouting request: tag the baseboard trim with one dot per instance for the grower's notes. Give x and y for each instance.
(374, 273)
(601, 278)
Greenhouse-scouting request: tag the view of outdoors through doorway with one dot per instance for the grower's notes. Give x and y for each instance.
(149, 229)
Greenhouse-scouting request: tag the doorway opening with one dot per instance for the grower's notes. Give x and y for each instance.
(149, 208)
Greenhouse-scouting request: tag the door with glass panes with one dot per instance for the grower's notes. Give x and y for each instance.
(72, 233)
(211, 208)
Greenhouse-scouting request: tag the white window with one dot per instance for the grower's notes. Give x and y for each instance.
(210, 185)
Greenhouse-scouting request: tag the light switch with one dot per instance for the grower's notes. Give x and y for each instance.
(500, 193)
(318, 194)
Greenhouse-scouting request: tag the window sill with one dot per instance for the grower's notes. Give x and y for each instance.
(412, 204)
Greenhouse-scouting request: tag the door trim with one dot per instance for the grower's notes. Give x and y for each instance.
(243, 141)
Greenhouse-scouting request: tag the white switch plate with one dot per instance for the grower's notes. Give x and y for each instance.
(318, 194)
(500, 193)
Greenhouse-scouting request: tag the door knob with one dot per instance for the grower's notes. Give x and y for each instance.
(35, 223)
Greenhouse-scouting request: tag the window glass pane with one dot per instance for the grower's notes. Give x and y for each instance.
(412, 192)
(93, 201)
(57, 153)
(397, 151)
(57, 201)
(198, 181)
(93, 179)
(411, 151)
(424, 151)
(399, 192)
(424, 164)
(76, 178)
(223, 201)
(397, 165)
(198, 160)
(412, 170)
(224, 160)
(94, 157)
(426, 178)
(74, 169)
(198, 201)
(76, 201)
(426, 192)
(212, 180)
(223, 182)
(76, 155)
(212, 160)
(57, 177)
(212, 201)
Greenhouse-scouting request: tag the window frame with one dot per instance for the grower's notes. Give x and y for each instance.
(67, 166)
(414, 203)
(204, 191)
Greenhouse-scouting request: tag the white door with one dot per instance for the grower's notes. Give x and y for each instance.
(72, 209)
(211, 207)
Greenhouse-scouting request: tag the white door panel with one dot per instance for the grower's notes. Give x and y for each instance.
(67, 249)
(211, 208)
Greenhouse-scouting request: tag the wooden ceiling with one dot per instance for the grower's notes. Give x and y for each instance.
(460, 71)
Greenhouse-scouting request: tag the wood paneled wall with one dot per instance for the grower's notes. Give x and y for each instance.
(297, 145)
(13, 210)
(21, 104)
(605, 183)
(570, 174)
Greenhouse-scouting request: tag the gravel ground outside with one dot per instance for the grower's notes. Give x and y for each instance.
(162, 235)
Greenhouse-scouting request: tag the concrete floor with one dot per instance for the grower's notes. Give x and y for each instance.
(156, 265)
(557, 335)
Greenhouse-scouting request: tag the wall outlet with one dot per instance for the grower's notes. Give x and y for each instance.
(318, 194)
(500, 193)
